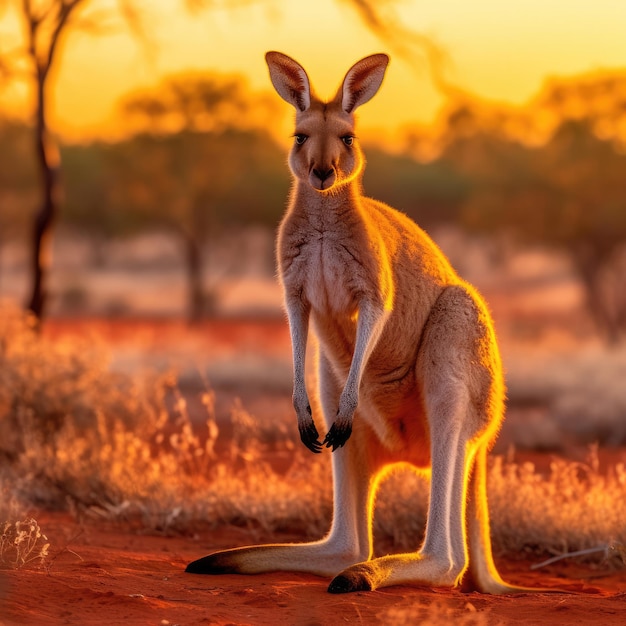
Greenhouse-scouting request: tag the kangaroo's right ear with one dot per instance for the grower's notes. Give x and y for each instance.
(362, 81)
(289, 80)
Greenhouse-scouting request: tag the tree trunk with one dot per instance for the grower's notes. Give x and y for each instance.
(193, 258)
(49, 165)
(590, 272)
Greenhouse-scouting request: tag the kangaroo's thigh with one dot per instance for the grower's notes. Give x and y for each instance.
(459, 356)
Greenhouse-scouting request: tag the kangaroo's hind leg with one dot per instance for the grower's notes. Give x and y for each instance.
(349, 540)
(460, 372)
(442, 558)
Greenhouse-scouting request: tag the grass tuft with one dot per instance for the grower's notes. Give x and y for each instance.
(22, 543)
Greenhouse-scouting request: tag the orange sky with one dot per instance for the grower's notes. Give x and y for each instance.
(500, 50)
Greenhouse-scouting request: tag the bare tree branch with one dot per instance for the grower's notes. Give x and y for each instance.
(136, 23)
(381, 17)
(32, 25)
(64, 13)
(46, 22)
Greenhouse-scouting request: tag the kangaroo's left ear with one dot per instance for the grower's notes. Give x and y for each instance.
(289, 79)
(362, 81)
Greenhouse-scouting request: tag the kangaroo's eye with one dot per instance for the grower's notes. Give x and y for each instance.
(301, 138)
(347, 139)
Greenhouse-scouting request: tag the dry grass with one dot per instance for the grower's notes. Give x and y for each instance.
(22, 543)
(574, 508)
(76, 436)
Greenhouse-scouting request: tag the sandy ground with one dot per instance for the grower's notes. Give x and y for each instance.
(107, 575)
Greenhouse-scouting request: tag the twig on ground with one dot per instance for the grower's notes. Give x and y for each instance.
(605, 548)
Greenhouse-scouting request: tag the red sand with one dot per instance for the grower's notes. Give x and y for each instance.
(103, 574)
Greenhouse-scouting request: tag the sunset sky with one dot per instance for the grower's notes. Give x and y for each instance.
(498, 50)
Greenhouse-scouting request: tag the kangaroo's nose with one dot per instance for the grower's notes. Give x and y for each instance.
(323, 174)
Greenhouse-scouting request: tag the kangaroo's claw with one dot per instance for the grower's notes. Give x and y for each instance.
(215, 563)
(310, 437)
(348, 582)
(338, 434)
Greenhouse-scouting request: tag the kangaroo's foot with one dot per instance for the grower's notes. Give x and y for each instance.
(321, 558)
(359, 577)
(416, 569)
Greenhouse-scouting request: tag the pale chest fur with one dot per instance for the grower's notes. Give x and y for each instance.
(322, 270)
(330, 268)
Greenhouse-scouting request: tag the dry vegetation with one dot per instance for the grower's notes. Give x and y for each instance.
(76, 436)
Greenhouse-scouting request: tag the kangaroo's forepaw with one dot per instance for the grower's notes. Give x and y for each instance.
(310, 436)
(216, 563)
(349, 581)
(338, 434)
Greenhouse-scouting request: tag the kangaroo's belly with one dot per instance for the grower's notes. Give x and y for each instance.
(390, 397)
(395, 411)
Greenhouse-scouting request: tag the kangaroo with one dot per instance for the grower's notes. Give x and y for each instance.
(408, 364)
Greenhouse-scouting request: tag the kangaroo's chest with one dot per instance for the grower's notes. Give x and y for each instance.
(328, 273)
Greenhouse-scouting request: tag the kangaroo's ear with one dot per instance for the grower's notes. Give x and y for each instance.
(362, 81)
(289, 80)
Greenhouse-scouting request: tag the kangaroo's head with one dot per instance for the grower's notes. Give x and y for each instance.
(325, 153)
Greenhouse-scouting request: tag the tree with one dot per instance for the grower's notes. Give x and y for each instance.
(196, 156)
(45, 25)
(586, 176)
(598, 98)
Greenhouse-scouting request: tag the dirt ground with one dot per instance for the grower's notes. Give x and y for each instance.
(103, 574)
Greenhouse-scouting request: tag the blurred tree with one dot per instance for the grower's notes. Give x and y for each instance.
(599, 98)
(382, 19)
(196, 102)
(584, 177)
(17, 174)
(568, 193)
(44, 26)
(199, 162)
